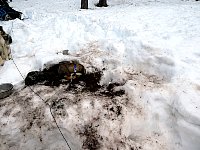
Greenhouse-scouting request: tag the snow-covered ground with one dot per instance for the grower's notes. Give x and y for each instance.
(152, 47)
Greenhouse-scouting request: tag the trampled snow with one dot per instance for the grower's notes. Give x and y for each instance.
(151, 46)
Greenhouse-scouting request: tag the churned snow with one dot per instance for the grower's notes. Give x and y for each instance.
(151, 46)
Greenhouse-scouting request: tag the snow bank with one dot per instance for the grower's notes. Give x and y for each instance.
(151, 47)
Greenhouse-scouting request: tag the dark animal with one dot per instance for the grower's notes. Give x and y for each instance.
(53, 75)
(70, 70)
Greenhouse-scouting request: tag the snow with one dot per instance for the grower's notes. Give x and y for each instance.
(151, 46)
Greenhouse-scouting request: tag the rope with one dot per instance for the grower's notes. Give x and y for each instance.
(42, 100)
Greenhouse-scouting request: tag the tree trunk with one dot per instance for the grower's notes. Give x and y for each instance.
(102, 3)
(84, 4)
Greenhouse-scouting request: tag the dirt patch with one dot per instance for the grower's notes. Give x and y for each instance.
(94, 113)
(105, 102)
(88, 82)
(91, 137)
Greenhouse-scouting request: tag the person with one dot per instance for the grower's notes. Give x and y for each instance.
(4, 3)
(8, 13)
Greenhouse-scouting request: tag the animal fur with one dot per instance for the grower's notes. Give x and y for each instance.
(66, 69)
(54, 74)
(5, 41)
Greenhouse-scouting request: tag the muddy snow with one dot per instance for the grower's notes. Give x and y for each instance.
(109, 118)
(142, 90)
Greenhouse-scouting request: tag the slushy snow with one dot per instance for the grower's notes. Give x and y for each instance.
(152, 47)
